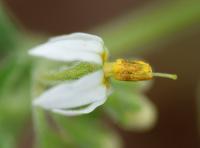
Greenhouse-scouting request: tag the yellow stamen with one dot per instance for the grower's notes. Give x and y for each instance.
(104, 55)
(132, 71)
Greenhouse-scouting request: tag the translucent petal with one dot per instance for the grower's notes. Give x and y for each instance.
(84, 91)
(77, 46)
(60, 54)
(78, 36)
(85, 110)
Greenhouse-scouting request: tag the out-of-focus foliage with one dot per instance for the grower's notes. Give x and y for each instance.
(149, 25)
(139, 112)
(85, 131)
(15, 81)
(8, 32)
(128, 107)
(198, 106)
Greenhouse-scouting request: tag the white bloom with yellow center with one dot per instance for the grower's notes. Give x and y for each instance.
(82, 96)
(90, 90)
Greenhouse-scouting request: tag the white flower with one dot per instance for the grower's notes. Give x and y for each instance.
(87, 92)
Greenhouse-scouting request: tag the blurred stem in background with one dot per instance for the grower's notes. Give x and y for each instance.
(149, 26)
(122, 35)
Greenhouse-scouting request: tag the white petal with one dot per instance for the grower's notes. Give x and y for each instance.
(60, 54)
(77, 46)
(77, 35)
(84, 91)
(85, 110)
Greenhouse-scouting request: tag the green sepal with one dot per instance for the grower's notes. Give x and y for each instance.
(53, 72)
(70, 73)
(47, 73)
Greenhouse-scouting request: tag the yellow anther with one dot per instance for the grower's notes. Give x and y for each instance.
(131, 70)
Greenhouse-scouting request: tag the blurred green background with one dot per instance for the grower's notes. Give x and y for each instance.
(164, 33)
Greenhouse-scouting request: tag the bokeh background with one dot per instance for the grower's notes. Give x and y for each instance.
(177, 50)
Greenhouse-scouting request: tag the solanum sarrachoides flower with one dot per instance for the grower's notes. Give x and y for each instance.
(87, 90)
